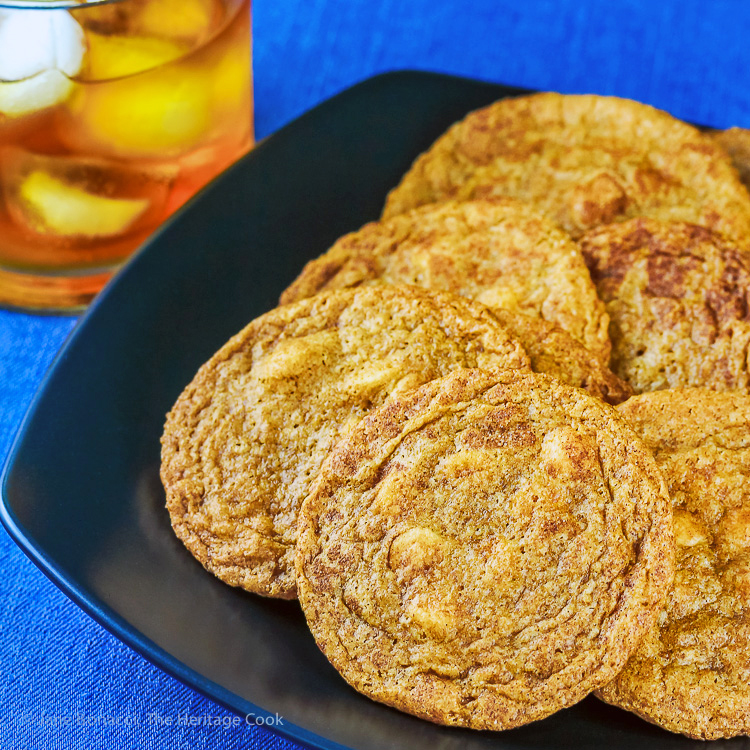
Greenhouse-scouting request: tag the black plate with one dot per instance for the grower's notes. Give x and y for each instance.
(81, 490)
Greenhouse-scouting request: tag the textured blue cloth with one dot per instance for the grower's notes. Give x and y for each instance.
(65, 682)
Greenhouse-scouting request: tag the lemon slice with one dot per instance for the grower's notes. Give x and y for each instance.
(65, 210)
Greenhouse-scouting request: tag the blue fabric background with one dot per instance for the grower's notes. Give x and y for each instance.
(64, 681)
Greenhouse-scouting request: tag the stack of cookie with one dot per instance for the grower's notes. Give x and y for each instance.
(426, 445)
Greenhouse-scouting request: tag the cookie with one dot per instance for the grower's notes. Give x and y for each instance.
(583, 161)
(691, 673)
(501, 253)
(676, 295)
(554, 352)
(736, 143)
(248, 434)
(484, 550)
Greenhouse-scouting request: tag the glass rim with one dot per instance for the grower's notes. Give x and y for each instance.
(234, 7)
(53, 4)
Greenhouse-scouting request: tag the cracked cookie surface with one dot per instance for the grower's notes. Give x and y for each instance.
(501, 253)
(736, 144)
(555, 352)
(484, 550)
(583, 161)
(248, 434)
(691, 673)
(677, 298)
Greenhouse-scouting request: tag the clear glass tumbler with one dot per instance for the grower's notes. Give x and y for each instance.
(112, 114)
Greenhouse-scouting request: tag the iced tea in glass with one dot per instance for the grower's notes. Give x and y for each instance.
(111, 116)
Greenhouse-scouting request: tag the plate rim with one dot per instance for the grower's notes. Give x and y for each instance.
(102, 613)
(88, 602)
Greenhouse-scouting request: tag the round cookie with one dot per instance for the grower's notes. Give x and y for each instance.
(676, 295)
(554, 352)
(582, 160)
(736, 143)
(247, 436)
(691, 673)
(501, 253)
(484, 550)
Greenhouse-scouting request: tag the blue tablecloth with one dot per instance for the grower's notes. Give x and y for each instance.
(66, 683)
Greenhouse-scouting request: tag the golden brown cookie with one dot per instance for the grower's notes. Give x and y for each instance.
(555, 352)
(691, 673)
(501, 253)
(484, 550)
(736, 143)
(676, 295)
(247, 436)
(582, 161)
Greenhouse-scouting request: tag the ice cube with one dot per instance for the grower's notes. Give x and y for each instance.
(165, 112)
(29, 95)
(160, 113)
(116, 56)
(38, 51)
(32, 41)
(191, 20)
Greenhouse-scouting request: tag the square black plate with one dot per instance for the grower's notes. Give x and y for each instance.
(81, 491)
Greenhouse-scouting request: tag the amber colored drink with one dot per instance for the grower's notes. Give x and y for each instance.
(93, 159)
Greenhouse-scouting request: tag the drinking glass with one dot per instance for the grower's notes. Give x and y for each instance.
(112, 114)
